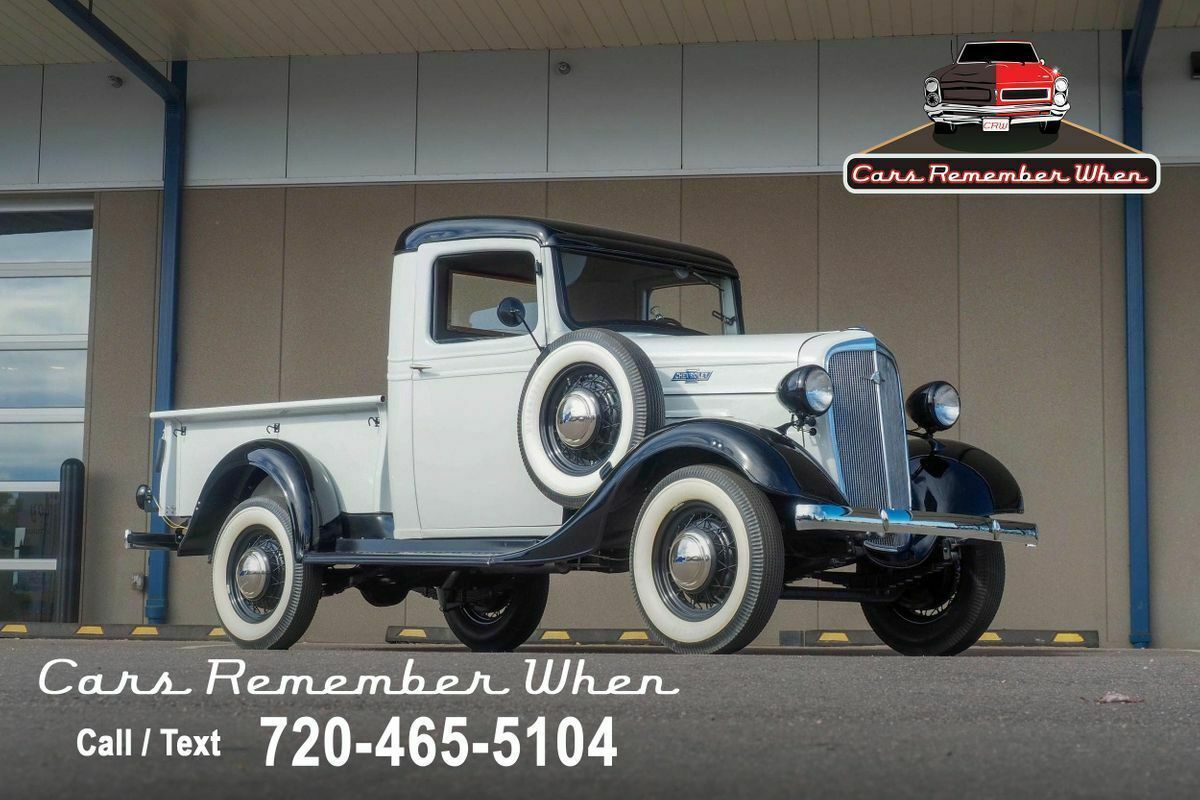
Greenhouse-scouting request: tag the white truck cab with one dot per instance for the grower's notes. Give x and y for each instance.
(560, 397)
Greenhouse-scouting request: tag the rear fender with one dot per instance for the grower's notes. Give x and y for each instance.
(951, 477)
(300, 479)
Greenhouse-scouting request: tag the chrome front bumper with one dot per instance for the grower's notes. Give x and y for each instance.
(963, 113)
(880, 522)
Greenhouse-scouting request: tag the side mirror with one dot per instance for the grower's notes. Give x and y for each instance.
(1042, 61)
(511, 312)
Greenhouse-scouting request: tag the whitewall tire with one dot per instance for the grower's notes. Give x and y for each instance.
(264, 598)
(706, 560)
(590, 398)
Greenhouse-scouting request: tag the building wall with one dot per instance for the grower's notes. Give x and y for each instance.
(707, 108)
(1019, 300)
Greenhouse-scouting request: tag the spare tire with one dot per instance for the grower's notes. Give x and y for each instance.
(590, 398)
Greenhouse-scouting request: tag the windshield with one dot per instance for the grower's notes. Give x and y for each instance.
(988, 52)
(604, 291)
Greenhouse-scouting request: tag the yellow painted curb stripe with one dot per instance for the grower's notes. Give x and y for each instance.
(217, 632)
(558, 636)
(145, 630)
(990, 636)
(14, 628)
(634, 636)
(89, 630)
(833, 636)
(1068, 638)
(414, 633)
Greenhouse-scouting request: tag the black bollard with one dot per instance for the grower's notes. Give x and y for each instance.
(70, 541)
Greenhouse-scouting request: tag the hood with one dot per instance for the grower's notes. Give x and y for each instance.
(751, 364)
(1003, 73)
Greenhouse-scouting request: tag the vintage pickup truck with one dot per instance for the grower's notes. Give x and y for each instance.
(562, 397)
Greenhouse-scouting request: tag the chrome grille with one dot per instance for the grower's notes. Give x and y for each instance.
(868, 425)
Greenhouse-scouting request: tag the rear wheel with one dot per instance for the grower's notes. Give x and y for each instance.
(264, 598)
(943, 611)
(706, 561)
(502, 615)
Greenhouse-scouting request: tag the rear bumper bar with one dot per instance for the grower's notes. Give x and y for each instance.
(151, 541)
(880, 522)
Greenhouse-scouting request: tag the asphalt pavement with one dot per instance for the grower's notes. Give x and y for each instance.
(857, 723)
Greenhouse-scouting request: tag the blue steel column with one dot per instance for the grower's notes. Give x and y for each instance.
(1135, 47)
(174, 131)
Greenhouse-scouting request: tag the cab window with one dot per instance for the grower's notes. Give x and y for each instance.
(468, 288)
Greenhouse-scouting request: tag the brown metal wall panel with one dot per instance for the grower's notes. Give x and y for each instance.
(120, 391)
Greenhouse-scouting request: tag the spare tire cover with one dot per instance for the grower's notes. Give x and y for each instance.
(590, 398)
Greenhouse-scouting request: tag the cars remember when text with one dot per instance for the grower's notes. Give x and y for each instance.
(561, 397)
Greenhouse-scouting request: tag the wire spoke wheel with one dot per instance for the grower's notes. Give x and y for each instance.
(706, 560)
(695, 561)
(943, 607)
(499, 613)
(929, 600)
(256, 574)
(581, 419)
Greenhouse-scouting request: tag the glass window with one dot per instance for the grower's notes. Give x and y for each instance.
(34, 451)
(42, 378)
(43, 306)
(45, 282)
(468, 289)
(28, 529)
(993, 52)
(630, 295)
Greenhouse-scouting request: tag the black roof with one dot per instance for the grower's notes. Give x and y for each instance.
(568, 235)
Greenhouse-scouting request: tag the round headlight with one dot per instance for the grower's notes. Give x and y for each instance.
(931, 99)
(806, 391)
(934, 406)
(1060, 84)
(931, 85)
(1060, 99)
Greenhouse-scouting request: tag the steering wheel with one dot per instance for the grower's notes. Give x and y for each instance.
(660, 317)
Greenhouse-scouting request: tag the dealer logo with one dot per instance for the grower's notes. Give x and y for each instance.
(997, 126)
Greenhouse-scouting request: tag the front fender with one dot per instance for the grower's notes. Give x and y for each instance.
(955, 478)
(309, 496)
(768, 459)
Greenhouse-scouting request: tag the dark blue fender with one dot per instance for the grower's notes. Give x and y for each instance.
(768, 459)
(308, 493)
(956, 478)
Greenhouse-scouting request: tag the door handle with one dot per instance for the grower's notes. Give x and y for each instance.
(418, 367)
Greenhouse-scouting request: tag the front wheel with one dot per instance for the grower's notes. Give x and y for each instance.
(944, 128)
(500, 616)
(945, 610)
(706, 560)
(265, 599)
(1050, 126)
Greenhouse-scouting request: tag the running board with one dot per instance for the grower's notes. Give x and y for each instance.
(428, 552)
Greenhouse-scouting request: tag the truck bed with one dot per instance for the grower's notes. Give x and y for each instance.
(348, 435)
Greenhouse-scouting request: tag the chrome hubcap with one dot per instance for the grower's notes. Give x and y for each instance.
(253, 573)
(691, 555)
(576, 418)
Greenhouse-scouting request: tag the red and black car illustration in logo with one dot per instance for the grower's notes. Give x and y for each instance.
(996, 85)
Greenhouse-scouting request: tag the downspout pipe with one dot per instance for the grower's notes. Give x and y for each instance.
(173, 91)
(1135, 47)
